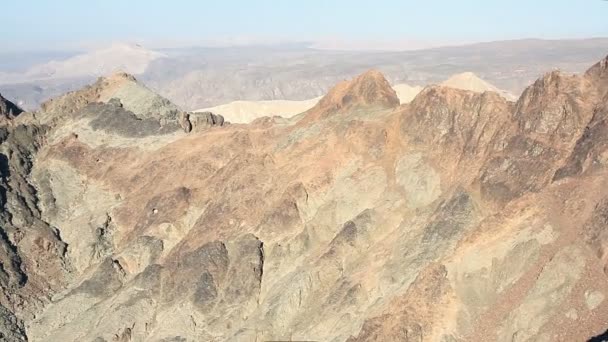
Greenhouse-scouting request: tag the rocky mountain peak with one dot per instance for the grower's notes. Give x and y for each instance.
(119, 76)
(556, 107)
(600, 69)
(134, 96)
(370, 89)
(598, 74)
(8, 109)
(451, 101)
(458, 120)
(76, 100)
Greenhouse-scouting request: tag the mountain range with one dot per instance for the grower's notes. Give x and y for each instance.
(124, 57)
(195, 78)
(459, 216)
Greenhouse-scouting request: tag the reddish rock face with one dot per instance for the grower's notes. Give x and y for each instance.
(367, 90)
(458, 217)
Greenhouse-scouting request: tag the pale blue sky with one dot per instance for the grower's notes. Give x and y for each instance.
(31, 24)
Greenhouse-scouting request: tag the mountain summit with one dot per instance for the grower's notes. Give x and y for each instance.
(368, 90)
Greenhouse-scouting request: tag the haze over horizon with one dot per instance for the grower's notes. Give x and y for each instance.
(389, 25)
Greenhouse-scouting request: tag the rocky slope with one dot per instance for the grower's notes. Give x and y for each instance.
(461, 216)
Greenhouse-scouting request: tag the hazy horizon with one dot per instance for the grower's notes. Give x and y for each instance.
(383, 25)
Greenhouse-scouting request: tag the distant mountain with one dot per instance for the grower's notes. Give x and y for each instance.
(209, 77)
(125, 57)
(196, 78)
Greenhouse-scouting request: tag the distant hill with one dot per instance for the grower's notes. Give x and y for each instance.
(130, 58)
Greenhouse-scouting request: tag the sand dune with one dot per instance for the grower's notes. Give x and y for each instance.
(406, 92)
(470, 81)
(247, 111)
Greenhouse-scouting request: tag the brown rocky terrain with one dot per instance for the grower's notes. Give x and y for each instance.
(460, 216)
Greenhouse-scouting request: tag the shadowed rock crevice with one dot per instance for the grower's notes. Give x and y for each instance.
(107, 279)
(11, 328)
(21, 214)
(603, 337)
(31, 251)
(451, 218)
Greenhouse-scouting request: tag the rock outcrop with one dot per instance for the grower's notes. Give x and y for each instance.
(199, 120)
(598, 74)
(460, 216)
(8, 110)
(120, 105)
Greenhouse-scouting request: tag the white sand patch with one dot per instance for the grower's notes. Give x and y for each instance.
(406, 92)
(470, 81)
(247, 111)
